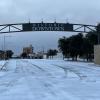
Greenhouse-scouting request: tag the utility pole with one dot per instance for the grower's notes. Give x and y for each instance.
(5, 46)
(67, 20)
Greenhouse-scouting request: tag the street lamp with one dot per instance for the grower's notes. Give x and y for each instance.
(5, 46)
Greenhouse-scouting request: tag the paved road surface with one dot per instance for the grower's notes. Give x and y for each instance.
(49, 80)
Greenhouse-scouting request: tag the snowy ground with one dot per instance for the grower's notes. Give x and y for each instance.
(49, 80)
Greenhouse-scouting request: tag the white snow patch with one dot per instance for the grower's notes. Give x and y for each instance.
(49, 80)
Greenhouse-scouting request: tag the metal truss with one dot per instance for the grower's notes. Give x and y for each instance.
(84, 28)
(11, 28)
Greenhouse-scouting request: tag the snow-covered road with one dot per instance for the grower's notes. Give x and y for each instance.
(49, 80)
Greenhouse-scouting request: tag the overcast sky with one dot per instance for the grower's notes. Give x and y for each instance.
(17, 11)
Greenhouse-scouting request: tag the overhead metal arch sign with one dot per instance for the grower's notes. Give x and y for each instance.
(47, 27)
(64, 27)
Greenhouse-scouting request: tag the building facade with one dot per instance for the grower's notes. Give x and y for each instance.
(28, 50)
(97, 54)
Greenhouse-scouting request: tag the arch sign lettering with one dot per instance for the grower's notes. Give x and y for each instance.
(47, 27)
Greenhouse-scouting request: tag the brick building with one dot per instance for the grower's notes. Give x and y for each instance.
(28, 50)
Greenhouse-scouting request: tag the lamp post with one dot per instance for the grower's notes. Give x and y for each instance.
(5, 46)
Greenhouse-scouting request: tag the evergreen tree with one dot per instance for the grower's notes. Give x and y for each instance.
(51, 53)
(78, 45)
(9, 53)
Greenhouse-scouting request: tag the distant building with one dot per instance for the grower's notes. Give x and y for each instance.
(28, 50)
(30, 54)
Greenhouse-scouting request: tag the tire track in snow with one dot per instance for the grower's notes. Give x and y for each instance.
(82, 72)
(49, 68)
(88, 71)
(47, 88)
(80, 75)
(85, 68)
(4, 67)
(45, 85)
(34, 65)
(25, 74)
(8, 80)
